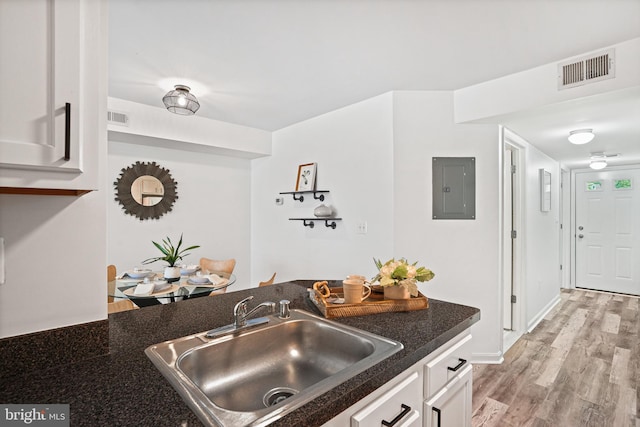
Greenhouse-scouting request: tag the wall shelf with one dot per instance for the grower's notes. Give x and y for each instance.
(43, 191)
(310, 222)
(299, 195)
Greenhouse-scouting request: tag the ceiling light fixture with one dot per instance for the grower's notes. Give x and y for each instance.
(181, 101)
(581, 136)
(598, 161)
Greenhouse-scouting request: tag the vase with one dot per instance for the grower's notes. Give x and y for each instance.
(172, 274)
(396, 292)
(322, 211)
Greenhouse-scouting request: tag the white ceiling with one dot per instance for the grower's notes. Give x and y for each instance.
(271, 63)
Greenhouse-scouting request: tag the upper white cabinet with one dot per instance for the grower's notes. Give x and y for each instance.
(53, 84)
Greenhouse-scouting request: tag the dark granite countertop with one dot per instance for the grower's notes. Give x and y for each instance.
(123, 388)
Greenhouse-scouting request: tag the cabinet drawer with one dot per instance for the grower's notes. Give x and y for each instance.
(447, 365)
(401, 404)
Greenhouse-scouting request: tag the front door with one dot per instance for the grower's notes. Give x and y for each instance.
(607, 230)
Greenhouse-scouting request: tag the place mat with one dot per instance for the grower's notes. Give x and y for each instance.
(130, 292)
(222, 282)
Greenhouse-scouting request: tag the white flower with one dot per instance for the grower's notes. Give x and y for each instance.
(411, 271)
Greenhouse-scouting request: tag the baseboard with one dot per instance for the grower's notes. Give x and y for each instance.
(509, 338)
(487, 358)
(541, 315)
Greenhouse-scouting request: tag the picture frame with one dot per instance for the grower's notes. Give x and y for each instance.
(545, 190)
(306, 180)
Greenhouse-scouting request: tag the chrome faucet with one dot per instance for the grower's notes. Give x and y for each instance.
(240, 314)
(241, 318)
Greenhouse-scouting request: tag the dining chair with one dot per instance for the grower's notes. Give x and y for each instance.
(226, 266)
(111, 281)
(268, 282)
(120, 305)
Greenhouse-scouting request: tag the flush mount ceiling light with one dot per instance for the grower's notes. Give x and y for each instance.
(181, 101)
(581, 136)
(598, 161)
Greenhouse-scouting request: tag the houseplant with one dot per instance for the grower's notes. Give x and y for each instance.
(170, 254)
(399, 278)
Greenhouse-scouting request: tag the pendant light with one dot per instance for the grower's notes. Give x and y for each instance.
(181, 101)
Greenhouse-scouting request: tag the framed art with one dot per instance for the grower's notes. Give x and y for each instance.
(306, 177)
(545, 190)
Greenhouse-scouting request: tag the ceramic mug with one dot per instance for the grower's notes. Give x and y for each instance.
(355, 291)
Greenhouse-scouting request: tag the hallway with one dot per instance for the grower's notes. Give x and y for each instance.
(579, 367)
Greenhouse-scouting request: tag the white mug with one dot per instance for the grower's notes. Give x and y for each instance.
(355, 291)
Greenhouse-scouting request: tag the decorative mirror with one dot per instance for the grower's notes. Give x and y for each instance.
(146, 190)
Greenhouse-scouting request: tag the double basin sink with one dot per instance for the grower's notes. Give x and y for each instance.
(255, 376)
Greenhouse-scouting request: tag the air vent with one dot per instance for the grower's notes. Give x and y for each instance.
(115, 118)
(588, 69)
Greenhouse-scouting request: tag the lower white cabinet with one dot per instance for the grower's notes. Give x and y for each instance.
(450, 407)
(435, 392)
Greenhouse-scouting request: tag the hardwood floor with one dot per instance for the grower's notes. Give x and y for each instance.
(579, 367)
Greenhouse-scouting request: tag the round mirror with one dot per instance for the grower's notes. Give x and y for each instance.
(145, 190)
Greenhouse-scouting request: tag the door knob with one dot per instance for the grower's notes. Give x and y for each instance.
(581, 235)
(580, 228)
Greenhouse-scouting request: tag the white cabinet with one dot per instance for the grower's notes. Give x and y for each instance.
(435, 392)
(451, 406)
(53, 85)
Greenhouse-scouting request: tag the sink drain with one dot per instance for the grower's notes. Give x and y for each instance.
(277, 395)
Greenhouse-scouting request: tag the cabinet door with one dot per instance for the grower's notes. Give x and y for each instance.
(40, 69)
(398, 407)
(451, 406)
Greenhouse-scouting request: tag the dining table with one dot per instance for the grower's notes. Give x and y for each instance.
(187, 287)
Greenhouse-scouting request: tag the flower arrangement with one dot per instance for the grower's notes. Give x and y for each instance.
(170, 254)
(401, 273)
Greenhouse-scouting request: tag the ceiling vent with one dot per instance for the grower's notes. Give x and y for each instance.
(115, 118)
(588, 69)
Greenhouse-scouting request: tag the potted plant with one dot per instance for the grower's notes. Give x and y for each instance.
(170, 254)
(398, 278)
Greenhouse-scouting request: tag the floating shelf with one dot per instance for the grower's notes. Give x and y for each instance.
(310, 222)
(43, 191)
(299, 195)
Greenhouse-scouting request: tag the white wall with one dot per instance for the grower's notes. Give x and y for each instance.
(375, 158)
(462, 253)
(541, 246)
(538, 86)
(353, 149)
(212, 210)
(54, 262)
(152, 126)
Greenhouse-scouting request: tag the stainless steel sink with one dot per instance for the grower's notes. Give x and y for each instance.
(256, 376)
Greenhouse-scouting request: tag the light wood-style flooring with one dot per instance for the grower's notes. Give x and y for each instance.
(579, 367)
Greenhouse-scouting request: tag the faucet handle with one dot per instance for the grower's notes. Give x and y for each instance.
(284, 312)
(241, 307)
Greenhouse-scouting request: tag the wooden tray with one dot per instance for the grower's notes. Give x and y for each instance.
(374, 304)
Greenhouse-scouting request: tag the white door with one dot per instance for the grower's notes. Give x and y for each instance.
(607, 231)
